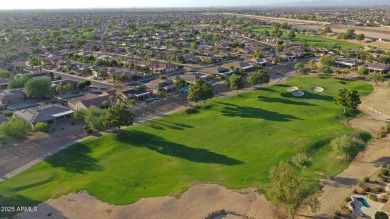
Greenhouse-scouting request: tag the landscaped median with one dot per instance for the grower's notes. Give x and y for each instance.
(234, 142)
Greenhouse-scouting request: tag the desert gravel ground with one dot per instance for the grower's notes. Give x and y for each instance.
(198, 202)
(375, 106)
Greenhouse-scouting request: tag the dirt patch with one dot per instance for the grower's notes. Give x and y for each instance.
(374, 107)
(198, 202)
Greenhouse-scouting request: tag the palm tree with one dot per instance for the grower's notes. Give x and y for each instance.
(60, 89)
(68, 68)
(111, 99)
(69, 89)
(105, 103)
(113, 77)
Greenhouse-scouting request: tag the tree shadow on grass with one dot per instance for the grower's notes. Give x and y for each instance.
(162, 125)
(165, 147)
(284, 100)
(232, 110)
(75, 159)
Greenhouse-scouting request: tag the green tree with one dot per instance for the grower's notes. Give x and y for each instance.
(349, 33)
(16, 128)
(381, 215)
(236, 82)
(347, 98)
(253, 78)
(360, 37)
(38, 88)
(258, 55)
(302, 161)
(288, 190)
(17, 82)
(194, 45)
(298, 66)
(325, 69)
(327, 30)
(362, 70)
(200, 91)
(87, 83)
(301, 68)
(312, 65)
(68, 88)
(91, 117)
(385, 59)
(291, 35)
(207, 92)
(41, 127)
(326, 60)
(348, 145)
(376, 77)
(80, 85)
(5, 74)
(264, 77)
(61, 89)
(117, 116)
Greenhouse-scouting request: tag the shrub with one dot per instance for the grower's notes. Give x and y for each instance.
(384, 172)
(192, 110)
(16, 128)
(372, 197)
(383, 131)
(41, 127)
(378, 189)
(366, 188)
(337, 213)
(347, 199)
(366, 179)
(381, 215)
(384, 198)
(8, 114)
(388, 166)
(380, 175)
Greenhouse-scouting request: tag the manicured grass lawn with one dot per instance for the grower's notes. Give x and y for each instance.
(234, 143)
(315, 41)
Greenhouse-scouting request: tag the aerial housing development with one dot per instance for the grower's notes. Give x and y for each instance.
(261, 110)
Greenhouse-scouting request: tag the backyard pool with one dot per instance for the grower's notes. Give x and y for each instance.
(364, 202)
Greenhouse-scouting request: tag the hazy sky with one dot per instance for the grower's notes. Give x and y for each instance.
(47, 4)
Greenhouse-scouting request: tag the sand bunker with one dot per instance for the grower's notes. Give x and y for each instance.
(292, 89)
(200, 201)
(318, 89)
(298, 93)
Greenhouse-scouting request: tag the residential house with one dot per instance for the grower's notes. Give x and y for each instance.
(89, 100)
(49, 114)
(245, 66)
(347, 63)
(159, 85)
(12, 96)
(191, 77)
(378, 67)
(216, 70)
(3, 83)
(259, 62)
(191, 59)
(137, 93)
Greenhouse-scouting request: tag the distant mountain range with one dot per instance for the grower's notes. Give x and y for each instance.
(333, 3)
